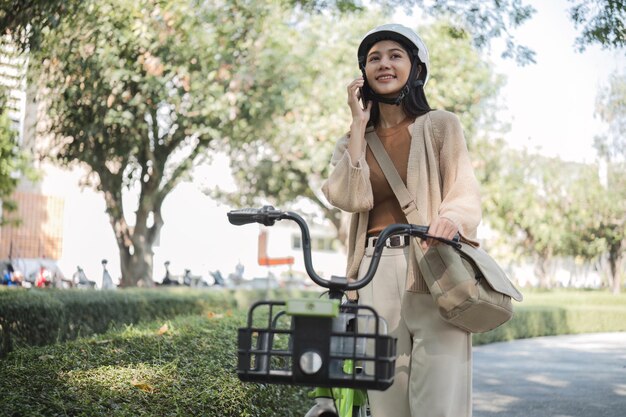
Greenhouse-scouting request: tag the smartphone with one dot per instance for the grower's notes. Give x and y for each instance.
(366, 96)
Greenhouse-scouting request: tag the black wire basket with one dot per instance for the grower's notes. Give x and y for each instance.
(316, 342)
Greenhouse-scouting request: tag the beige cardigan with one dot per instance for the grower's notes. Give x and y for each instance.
(440, 177)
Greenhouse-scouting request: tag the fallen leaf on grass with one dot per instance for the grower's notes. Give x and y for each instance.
(163, 329)
(142, 385)
(213, 315)
(46, 357)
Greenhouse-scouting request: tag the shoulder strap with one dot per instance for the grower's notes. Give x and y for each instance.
(407, 202)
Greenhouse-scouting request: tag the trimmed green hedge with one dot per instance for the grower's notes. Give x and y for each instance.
(37, 317)
(186, 370)
(561, 312)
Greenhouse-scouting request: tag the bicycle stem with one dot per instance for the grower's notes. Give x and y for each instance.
(336, 285)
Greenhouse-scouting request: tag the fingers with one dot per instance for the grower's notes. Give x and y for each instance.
(354, 93)
(440, 227)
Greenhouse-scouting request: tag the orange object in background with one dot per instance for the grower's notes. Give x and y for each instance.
(264, 259)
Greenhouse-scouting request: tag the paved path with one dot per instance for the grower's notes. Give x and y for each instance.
(562, 376)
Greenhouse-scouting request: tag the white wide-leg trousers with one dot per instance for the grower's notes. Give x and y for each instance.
(434, 363)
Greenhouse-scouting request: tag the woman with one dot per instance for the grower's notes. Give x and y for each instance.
(427, 147)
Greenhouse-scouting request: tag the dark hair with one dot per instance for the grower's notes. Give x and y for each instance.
(414, 103)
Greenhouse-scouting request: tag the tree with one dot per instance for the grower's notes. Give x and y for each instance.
(14, 163)
(596, 227)
(137, 93)
(525, 198)
(601, 22)
(606, 197)
(546, 208)
(28, 21)
(291, 160)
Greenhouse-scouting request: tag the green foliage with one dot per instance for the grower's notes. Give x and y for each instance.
(461, 80)
(522, 197)
(547, 208)
(603, 196)
(601, 22)
(486, 21)
(141, 108)
(39, 317)
(186, 368)
(13, 162)
(483, 21)
(25, 21)
(28, 22)
(9, 152)
(290, 160)
(561, 312)
(611, 107)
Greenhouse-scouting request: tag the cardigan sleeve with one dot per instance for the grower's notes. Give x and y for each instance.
(348, 186)
(460, 191)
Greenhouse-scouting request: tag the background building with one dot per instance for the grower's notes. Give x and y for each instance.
(36, 238)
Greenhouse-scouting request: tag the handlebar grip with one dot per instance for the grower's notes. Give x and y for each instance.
(266, 215)
(243, 216)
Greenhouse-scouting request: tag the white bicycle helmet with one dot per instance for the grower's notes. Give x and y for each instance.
(405, 36)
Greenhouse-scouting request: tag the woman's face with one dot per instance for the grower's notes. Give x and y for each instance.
(387, 67)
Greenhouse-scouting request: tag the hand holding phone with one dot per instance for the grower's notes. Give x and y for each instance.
(358, 100)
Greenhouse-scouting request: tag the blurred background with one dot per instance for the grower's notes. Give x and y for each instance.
(129, 130)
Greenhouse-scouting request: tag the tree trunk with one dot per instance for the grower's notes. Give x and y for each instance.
(135, 243)
(541, 269)
(137, 267)
(616, 268)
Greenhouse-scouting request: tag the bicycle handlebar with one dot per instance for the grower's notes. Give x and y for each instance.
(268, 215)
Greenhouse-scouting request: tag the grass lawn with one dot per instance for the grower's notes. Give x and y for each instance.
(181, 367)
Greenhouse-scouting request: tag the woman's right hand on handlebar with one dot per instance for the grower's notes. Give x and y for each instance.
(360, 114)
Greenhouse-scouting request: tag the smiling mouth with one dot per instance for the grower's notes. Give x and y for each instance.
(385, 77)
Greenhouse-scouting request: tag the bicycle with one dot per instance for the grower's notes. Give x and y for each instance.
(342, 349)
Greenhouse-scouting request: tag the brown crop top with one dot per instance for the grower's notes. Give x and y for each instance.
(397, 143)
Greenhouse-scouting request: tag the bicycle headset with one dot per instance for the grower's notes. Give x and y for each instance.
(414, 46)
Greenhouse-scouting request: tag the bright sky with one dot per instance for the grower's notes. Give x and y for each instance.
(550, 106)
